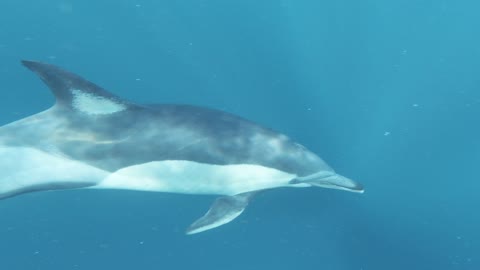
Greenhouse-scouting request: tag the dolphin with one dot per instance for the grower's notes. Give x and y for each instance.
(91, 138)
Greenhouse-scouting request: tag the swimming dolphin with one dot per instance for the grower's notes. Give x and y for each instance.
(91, 138)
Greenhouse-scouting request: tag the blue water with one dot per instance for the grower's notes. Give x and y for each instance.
(387, 92)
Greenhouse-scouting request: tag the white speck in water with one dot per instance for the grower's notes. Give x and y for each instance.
(415, 105)
(138, 79)
(386, 133)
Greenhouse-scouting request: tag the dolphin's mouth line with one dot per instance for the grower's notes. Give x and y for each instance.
(332, 180)
(353, 189)
(195, 142)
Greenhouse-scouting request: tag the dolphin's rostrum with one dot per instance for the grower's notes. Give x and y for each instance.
(91, 138)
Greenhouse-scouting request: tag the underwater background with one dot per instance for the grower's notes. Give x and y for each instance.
(387, 92)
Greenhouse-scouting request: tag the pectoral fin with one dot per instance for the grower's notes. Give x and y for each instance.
(222, 211)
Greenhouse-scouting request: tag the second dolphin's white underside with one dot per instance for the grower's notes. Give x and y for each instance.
(22, 167)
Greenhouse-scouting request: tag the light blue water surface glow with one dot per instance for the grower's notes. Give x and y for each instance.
(388, 92)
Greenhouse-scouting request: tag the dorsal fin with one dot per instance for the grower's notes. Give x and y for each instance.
(76, 93)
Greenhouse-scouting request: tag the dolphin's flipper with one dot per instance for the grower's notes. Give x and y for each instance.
(222, 211)
(328, 179)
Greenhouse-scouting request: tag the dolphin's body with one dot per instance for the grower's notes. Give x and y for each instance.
(93, 139)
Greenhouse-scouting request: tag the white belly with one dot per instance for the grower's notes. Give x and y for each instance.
(24, 167)
(181, 176)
